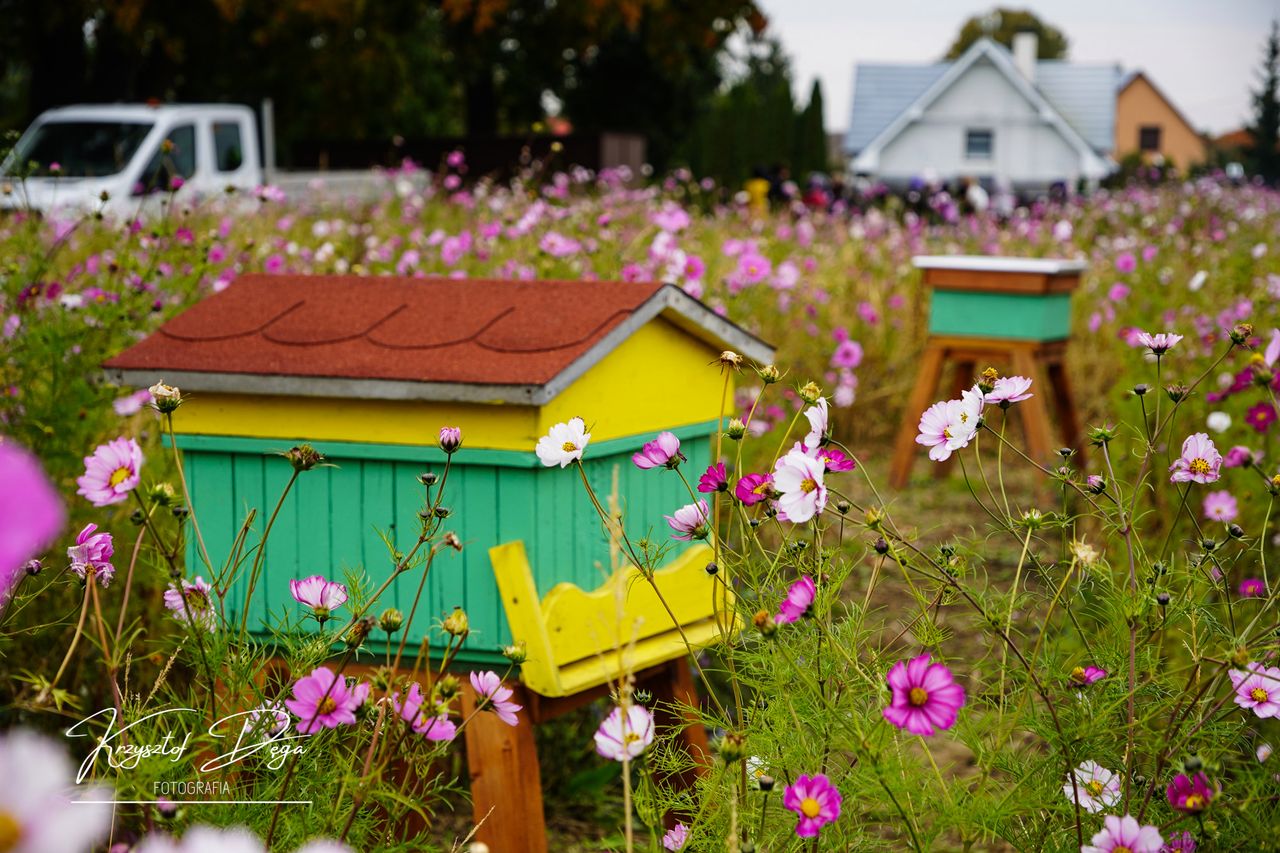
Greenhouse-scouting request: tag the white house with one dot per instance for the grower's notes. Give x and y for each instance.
(992, 115)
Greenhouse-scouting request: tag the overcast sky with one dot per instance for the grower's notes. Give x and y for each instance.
(1202, 53)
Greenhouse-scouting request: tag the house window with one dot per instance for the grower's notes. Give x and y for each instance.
(1149, 138)
(227, 146)
(977, 144)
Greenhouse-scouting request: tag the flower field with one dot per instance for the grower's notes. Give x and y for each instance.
(1075, 652)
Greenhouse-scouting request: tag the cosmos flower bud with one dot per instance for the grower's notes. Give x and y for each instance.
(732, 747)
(1192, 763)
(809, 392)
(1241, 333)
(391, 620)
(1098, 436)
(730, 359)
(456, 624)
(165, 398)
(304, 457)
(842, 506)
(427, 478)
(33, 567)
(166, 808)
(763, 620)
(987, 381)
(1141, 389)
(450, 439)
(643, 697)
(137, 517)
(769, 374)
(451, 539)
(442, 512)
(1235, 531)
(517, 652)
(162, 493)
(1177, 393)
(1162, 598)
(180, 512)
(881, 547)
(712, 568)
(737, 429)
(359, 632)
(1241, 656)
(1095, 484)
(873, 517)
(447, 687)
(765, 782)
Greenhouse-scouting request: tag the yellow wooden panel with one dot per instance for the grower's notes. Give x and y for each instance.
(524, 614)
(658, 378)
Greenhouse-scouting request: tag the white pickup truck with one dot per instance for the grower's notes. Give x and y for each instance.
(133, 155)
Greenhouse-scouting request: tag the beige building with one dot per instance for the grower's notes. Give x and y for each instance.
(1148, 123)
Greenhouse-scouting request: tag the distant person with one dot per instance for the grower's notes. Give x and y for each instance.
(976, 198)
(778, 180)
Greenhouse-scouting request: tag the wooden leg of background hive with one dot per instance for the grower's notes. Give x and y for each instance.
(506, 790)
(673, 688)
(1034, 411)
(904, 446)
(1066, 404)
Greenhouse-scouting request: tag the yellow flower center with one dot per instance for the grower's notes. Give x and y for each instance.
(762, 489)
(1120, 848)
(808, 485)
(964, 417)
(1077, 674)
(1194, 803)
(1258, 694)
(196, 599)
(10, 831)
(568, 447)
(918, 696)
(630, 738)
(327, 706)
(1199, 466)
(946, 433)
(809, 807)
(119, 475)
(1094, 787)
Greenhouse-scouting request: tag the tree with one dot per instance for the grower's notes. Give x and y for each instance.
(1265, 129)
(1001, 24)
(811, 135)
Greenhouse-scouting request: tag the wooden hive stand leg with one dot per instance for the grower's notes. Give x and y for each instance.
(904, 446)
(506, 789)
(1066, 404)
(673, 689)
(1034, 411)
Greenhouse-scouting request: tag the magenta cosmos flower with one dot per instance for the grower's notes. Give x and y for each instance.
(1190, 794)
(1083, 676)
(325, 700)
(1252, 588)
(835, 460)
(1221, 506)
(622, 737)
(450, 439)
(815, 800)
(661, 452)
(926, 697)
(751, 489)
(432, 722)
(93, 550)
(1124, 835)
(798, 601)
(689, 521)
(798, 477)
(31, 514)
(1257, 689)
(714, 479)
(193, 605)
(111, 472)
(492, 695)
(323, 596)
(1200, 461)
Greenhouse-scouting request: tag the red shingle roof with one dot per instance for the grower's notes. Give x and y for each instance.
(404, 330)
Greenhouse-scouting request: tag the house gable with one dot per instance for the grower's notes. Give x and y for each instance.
(1141, 104)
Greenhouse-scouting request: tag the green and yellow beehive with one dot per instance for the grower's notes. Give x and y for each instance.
(1025, 299)
(369, 369)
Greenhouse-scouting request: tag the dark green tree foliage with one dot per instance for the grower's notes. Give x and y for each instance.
(755, 124)
(1001, 24)
(1265, 128)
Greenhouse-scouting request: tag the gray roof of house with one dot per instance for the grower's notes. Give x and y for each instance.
(1084, 95)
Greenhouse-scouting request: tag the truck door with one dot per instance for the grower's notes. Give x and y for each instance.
(172, 164)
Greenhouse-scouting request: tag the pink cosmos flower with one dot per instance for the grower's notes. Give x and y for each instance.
(267, 721)
(193, 605)
(753, 267)
(751, 489)
(1240, 457)
(622, 738)
(491, 694)
(93, 550)
(1159, 343)
(675, 837)
(1191, 795)
(848, 354)
(799, 599)
(31, 514)
(661, 452)
(1252, 588)
(798, 477)
(323, 596)
(1221, 506)
(818, 416)
(1200, 461)
(325, 700)
(689, 521)
(714, 479)
(111, 472)
(131, 404)
(1261, 416)
(926, 697)
(1009, 389)
(1126, 263)
(450, 439)
(1083, 676)
(950, 425)
(1257, 689)
(815, 800)
(1124, 835)
(1180, 842)
(1095, 787)
(433, 726)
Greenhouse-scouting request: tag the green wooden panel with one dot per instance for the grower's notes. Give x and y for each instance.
(1000, 315)
(330, 522)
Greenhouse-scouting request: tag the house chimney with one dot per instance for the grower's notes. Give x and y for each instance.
(1025, 47)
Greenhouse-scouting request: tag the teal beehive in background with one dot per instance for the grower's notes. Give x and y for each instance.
(1010, 298)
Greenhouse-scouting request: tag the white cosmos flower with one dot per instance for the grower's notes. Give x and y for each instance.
(817, 415)
(564, 443)
(37, 787)
(1096, 786)
(798, 477)
(1218, 421)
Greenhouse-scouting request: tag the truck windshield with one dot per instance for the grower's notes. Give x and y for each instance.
(79, 149)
